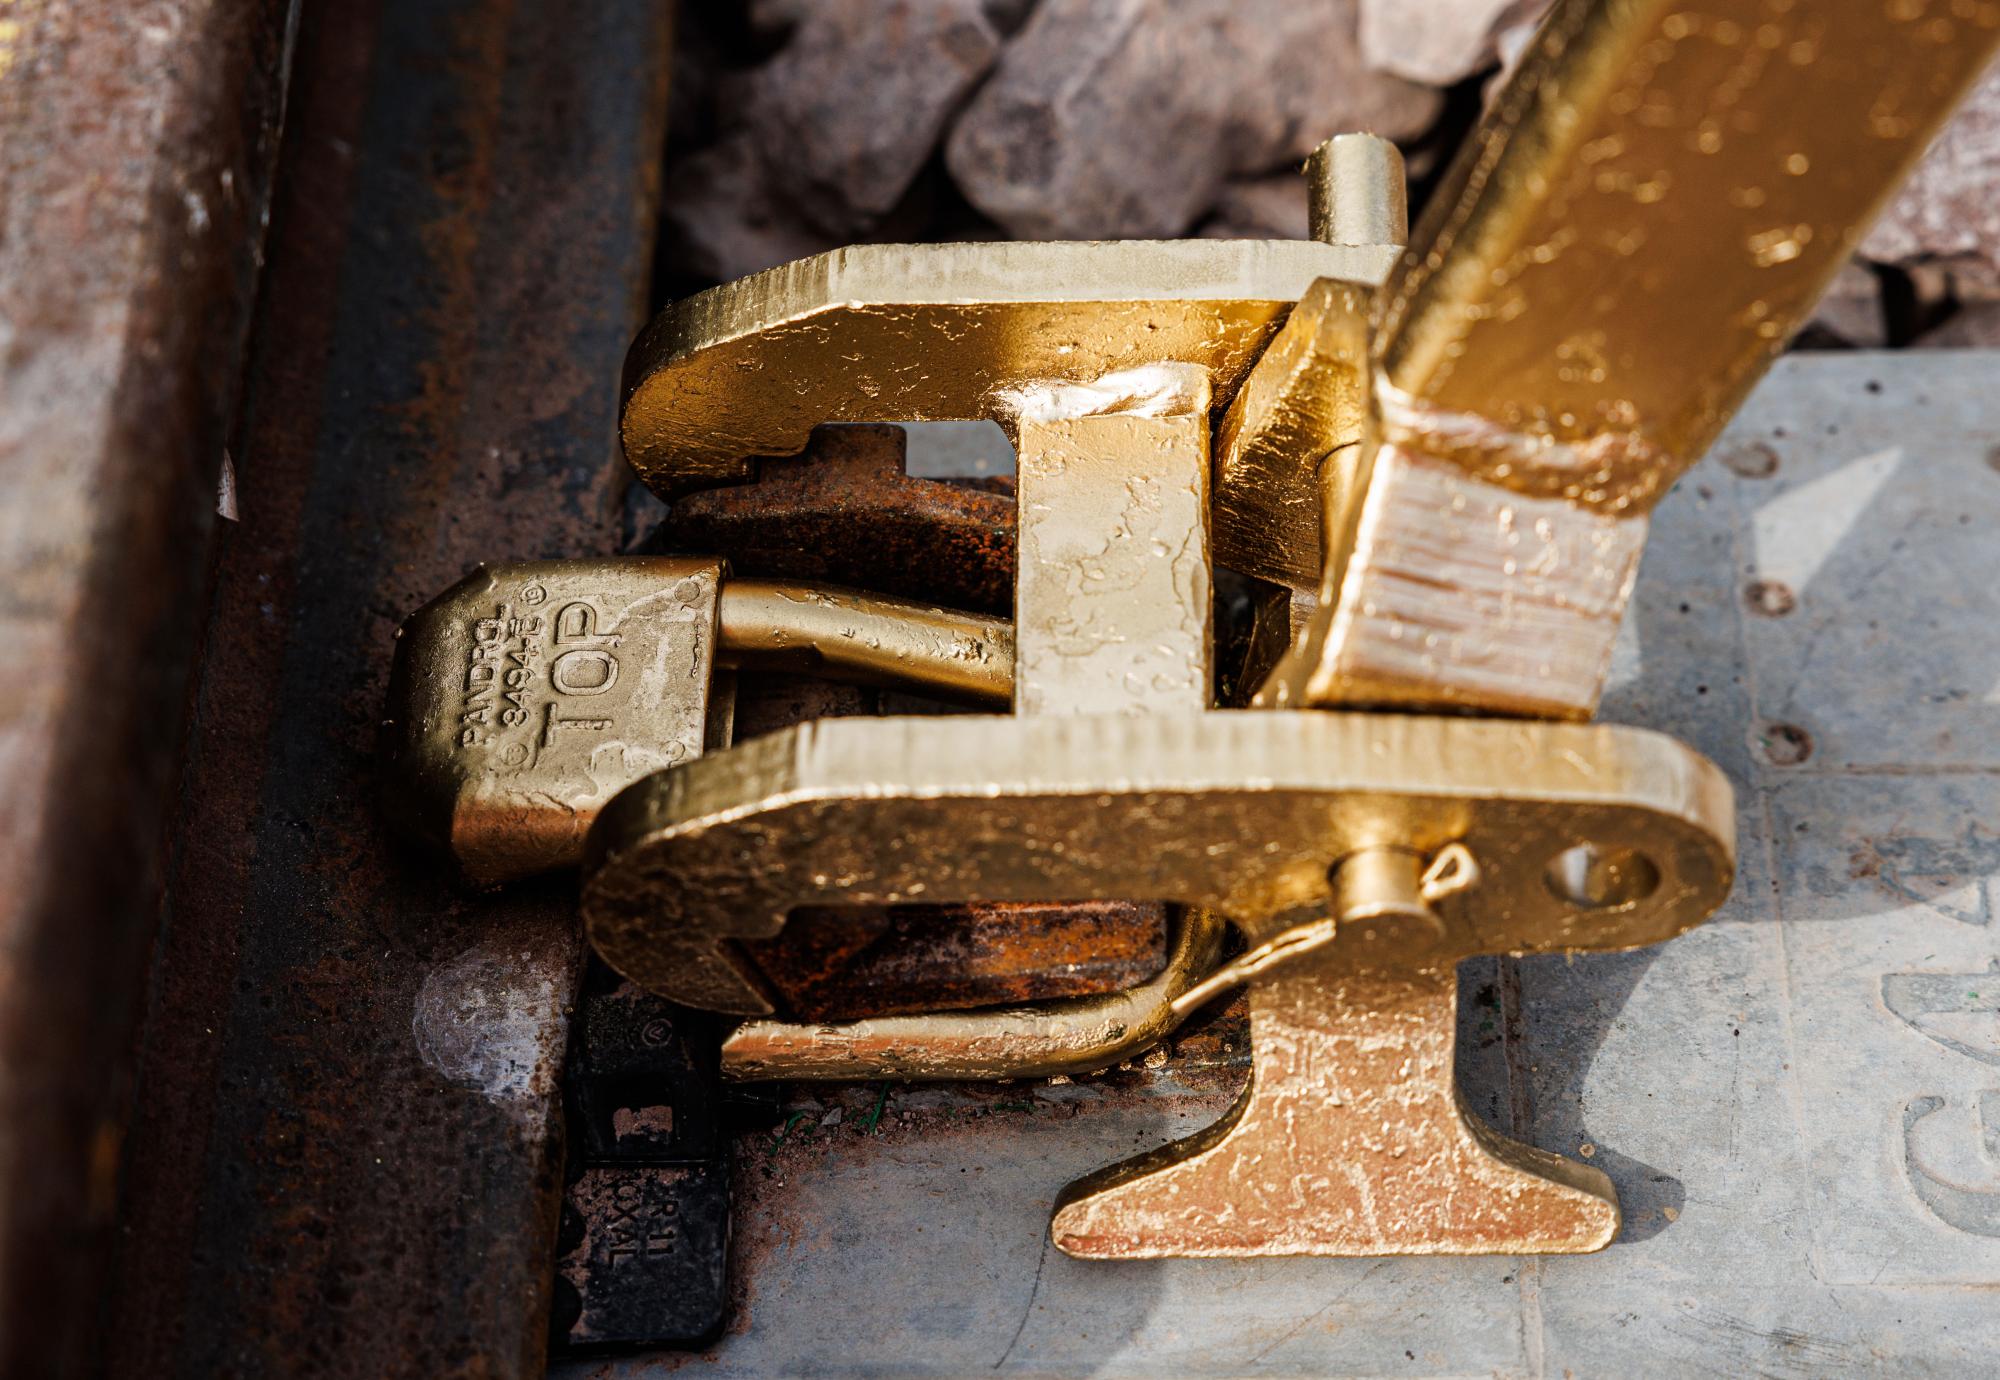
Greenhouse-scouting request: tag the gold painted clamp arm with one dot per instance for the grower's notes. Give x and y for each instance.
(1077, 1035)
(844, 634)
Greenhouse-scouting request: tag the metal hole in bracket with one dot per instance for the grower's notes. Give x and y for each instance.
(1593, 878)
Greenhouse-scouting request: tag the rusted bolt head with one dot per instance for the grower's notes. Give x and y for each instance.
(1784, 745)
(1757, 460)
(1771, 598)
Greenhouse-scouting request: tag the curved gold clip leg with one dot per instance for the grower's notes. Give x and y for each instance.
(1079, 1035)
(1351, 1140)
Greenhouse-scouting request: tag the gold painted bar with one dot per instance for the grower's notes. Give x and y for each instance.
(1650, 208)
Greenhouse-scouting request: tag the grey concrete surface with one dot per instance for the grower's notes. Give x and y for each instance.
(1799, 1102)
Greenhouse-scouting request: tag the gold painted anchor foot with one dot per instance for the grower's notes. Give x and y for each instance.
(1350, 1141)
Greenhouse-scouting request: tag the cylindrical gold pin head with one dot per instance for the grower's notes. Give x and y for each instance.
(1356, 193)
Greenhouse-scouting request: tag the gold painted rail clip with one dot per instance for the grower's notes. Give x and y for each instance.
(1440, 460)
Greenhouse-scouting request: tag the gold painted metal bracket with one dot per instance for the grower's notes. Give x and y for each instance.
(1304, 403)
(1359, 1140)
(1115, 779)
(898, 332)
(943, 332)
(1244, 813)
(1350, 1141)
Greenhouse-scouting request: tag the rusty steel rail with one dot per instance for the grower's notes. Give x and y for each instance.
(348, 1157)
(136, 145)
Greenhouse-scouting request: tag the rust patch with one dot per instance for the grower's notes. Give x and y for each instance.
(1863, 862)
(843, 963)
(1771, 598)
(1784, 745)
(844, 511)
